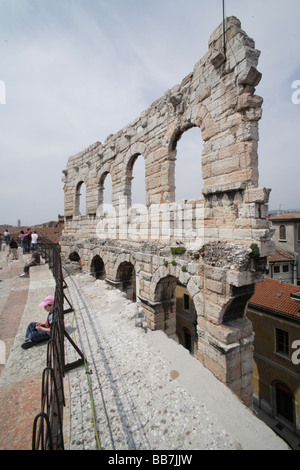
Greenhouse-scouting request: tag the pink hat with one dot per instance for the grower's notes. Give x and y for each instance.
(47, 301)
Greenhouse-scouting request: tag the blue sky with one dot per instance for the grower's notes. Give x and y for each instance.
(76, 71)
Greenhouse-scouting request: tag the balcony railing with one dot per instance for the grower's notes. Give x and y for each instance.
(48, 424)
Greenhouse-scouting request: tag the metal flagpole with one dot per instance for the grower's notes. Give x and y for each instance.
(223, 8)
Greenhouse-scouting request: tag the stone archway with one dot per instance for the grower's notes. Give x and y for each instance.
(80, 199)
(126, 279)
(165, 305)
(105, 179)
(75, 260)
(136, 151)
(97, 268)
(74, 256)
(186, 319)
(171, 315)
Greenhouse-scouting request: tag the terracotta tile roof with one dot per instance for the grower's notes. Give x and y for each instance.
(285, 216)
(280, 256)
(276, 296)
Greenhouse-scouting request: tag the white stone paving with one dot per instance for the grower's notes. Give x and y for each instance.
(149, 393)
(138, 406)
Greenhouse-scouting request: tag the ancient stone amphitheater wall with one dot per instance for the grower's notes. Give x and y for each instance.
(216, 245)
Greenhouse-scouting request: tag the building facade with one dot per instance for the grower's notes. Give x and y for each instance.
(281, 267)
(274, 311)
(286, 237)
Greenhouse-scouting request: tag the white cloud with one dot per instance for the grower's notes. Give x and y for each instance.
(77, 71)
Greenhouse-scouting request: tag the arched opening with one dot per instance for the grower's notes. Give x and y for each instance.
(175, 312)
(138, 189)
(76, 261)
(188, 167)
(284, 402)
(240, 297)
(282, 232)
(126, 278)
(105, 194)
(97, 268)
(74, 256)
(186, 319)
(135, 181)
(165, 306)
(80, 199)
(107, 190)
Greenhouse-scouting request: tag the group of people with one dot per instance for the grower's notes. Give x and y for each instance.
(11, 243)
(6, 238)
(29, 244)
(28, 240)
(36, 332)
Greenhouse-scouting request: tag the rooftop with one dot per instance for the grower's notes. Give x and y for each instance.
(285, 216)
(280, 256)
(276, 296)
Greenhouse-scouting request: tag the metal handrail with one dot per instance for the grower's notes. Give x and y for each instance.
(48, 424)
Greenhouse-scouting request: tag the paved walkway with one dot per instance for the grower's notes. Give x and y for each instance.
(20, 380)
(148, 392)
(139, 391)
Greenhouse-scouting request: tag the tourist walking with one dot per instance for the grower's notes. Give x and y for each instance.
(34, 240)
(13, 249)
(6, 236)
(22, 236)
(27, 241)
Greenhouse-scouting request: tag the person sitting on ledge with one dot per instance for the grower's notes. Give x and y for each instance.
(37, 332)
(34, 261)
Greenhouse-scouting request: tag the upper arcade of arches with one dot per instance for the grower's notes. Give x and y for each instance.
(212, 233)
(219, 99)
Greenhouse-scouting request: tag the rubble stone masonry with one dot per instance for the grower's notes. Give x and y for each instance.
(223, 236)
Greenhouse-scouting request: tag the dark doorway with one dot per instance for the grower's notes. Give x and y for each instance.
(284, 402)
(188, 340)
(126, 277)
(98, 268)
(74, 256)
